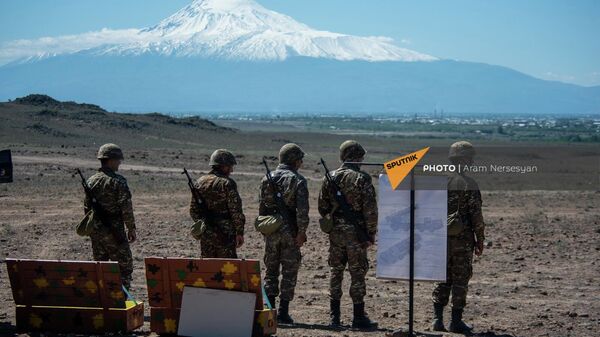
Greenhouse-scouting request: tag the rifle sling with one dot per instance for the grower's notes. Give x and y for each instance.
(345, 211)
(291, 212)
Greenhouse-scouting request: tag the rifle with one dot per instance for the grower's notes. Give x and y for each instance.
(349, 214)
(204, 211)
(98, 211)
(278, 197)
(195, 193)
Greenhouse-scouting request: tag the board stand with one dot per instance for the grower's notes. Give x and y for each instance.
(411, 278)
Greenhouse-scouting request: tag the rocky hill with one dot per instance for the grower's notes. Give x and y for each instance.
(41, 119)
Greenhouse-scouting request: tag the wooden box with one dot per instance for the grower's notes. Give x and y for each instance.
(71, 297)
(166, 278)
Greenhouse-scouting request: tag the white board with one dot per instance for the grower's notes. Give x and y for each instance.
(216, 313)
(431, 212)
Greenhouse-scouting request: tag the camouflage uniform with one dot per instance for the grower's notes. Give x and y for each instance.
(280, 247)
(225, 217)
(464, 203)
(112, 193)
(464, 196)
(344, 245)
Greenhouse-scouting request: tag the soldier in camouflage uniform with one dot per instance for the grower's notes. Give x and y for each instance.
(112, 193)
(464, 203)
(225, 219)
(345, 249)
(282, 248)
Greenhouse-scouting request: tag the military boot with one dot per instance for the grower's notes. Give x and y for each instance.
(456, 324)
(438, 318)
(283, 315)
(335, 313)
(361, 320)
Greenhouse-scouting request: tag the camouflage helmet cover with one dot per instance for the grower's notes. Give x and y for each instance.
(289, 153)
(110, 151)
(461, 149)
(351, 149)
(222, 157)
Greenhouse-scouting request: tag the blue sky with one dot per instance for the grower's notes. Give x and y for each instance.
(556, 40)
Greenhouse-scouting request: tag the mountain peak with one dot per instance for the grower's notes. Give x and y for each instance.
(245, 30)
(223, 5)
(224, 17)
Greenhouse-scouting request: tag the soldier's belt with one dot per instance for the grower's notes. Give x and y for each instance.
(115, 222)
(214, 216)
(342, 215)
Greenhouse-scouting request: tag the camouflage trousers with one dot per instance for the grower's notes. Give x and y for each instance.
(281, 253)
(106, 248)
(215, 245)
(458, 273)
(344, 249)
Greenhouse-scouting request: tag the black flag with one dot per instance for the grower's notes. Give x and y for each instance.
(6, 169)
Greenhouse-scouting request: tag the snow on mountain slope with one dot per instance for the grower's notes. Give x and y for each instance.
(245, 30)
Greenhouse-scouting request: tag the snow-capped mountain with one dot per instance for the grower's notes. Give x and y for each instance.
(209, 57)
(245, 30)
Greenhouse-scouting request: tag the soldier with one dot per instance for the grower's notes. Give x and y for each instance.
(344, 248)
(282, 248)
(225, 219)
(112, 193)
(465, 235)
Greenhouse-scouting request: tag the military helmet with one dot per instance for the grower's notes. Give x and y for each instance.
(110, 151)
(461, 149)
(350, 150)
(289, 153)
(222, 157)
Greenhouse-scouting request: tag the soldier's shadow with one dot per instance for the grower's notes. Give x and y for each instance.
(7, 329)
(448, 334)
(489, 334)
(309, 326)
(325, 327)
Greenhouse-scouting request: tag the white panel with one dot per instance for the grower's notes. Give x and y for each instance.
(431, 211)
(216, 313)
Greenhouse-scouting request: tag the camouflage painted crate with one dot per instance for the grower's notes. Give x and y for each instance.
(71, 296)
(166, 278)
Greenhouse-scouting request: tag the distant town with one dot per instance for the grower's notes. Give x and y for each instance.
(578, 128)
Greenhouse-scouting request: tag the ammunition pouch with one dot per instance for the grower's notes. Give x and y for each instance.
(210, 219)
(198, 228)
(268, 224)
(89, 224)
(326, 223)
(293, 225)
(457, 224)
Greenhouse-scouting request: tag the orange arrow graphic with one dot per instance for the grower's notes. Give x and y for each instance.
(397, 169)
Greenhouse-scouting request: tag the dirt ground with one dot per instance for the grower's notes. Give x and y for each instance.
(539, 274)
